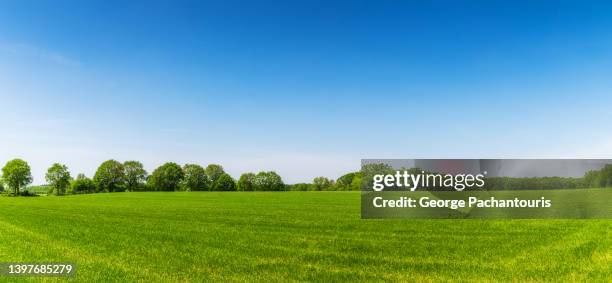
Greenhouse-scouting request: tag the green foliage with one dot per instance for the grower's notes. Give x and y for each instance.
(246, 182)
(592, 179)
(195, 178)
(16, 175)
(322, 184)
(59, 178)
(135, 175)
(110, 177)
(356, 183)
(268, 181)
(606, 176)
(40, 189)
(369, 170)
(344, 181)
(225, 182)
(167, 177)
(214, 171)
(82, 185)
(349, 182)
(300, 187)
(113, 176)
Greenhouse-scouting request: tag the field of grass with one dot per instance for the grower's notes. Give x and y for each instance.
(293, 236)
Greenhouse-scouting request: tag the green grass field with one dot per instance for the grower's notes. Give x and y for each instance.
(293, 236)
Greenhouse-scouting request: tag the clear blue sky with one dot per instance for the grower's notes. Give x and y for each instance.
(306, 88)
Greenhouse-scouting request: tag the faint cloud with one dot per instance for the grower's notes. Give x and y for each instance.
(38, 53)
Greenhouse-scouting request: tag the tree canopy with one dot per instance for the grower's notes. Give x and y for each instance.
(135, 175)
(58, 177)
(82, 185)
(246, 182)
(195, 178)
(110, 176)
(225, 182)
(113, 176)
(166, 177)
(322, 184)
(268, 181)
(214, 171)
(16, 174)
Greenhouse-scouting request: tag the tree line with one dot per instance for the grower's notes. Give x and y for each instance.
(592, 179)
(114, 176)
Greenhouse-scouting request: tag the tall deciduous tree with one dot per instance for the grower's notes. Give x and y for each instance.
(166, 177)
(16, 174)
(58, 177)
(225, 182)
(349, 182)
(135, 175)
(195, 178)
(246, 182)
(110, 176)
(268, 181)
(214, 171)
(606, 176)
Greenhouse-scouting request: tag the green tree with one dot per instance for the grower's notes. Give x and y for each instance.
(268, 181)
(135, 175)
(110, 177)
(82, 185)
(16, 174)
(59, 178)
(606, 175)
(322, 184)
(344, 182)
(246, 182)
(225, 182)
(368, 171)
(214, 171)
(195, 178)
(167, 177)
(356, 182)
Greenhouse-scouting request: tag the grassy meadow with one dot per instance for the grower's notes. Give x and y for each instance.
(290, 236)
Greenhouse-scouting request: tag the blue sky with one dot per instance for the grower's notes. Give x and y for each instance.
(306, 88)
